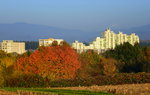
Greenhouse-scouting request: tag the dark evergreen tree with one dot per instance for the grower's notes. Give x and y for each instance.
(131, 56)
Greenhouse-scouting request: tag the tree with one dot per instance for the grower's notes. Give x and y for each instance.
(93, 64)
(89, 64)
(108, 66)
(6, 66)
(54, 62)
(146, 66)
(54, 43)
(131, 56)
(64, 43)
(147, 53)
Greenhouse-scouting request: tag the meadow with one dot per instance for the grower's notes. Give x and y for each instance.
(126, 89)
(47, 91)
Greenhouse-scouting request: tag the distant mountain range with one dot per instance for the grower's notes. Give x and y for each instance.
(145, 42)
(33, 32)
(142, 31)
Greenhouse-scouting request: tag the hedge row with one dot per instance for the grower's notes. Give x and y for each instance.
(25, 81)
(122, 78)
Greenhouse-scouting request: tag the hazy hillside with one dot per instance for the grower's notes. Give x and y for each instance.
(145, 42)
(33, 32)
(29, 32)
(142, 31)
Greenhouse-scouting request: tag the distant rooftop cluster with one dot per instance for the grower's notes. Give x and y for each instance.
(109, 40)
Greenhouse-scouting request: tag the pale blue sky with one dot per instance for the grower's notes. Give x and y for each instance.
(85, 15)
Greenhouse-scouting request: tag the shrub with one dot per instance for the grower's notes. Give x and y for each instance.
(25, 81)
(1, 80)
(122, 78)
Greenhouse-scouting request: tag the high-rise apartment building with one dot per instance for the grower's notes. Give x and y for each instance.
(10, 46)
(109, 40)
(48, 42)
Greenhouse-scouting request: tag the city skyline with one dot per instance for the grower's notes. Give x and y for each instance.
(109, 40)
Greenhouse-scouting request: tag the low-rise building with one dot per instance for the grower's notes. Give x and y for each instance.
(10, 46)
(49, 41)
(109, 40)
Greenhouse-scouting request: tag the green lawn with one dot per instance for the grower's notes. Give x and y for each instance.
(59, 91)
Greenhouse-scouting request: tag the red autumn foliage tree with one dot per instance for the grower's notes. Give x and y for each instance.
(54, 62)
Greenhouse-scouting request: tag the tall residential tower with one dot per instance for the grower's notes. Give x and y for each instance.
(109, 40)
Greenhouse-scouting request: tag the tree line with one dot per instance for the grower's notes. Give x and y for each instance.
(61, 65)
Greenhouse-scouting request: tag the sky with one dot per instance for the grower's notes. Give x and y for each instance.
(85, 15)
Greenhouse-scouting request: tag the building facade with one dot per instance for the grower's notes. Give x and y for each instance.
(109, 40)
(49, 41)
(10, 46)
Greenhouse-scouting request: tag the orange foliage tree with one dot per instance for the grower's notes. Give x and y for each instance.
(54, 62)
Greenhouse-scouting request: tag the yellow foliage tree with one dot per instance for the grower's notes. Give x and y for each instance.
(6, 66)
(108, 66)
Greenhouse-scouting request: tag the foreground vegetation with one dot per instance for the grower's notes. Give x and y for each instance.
(44, 91)
(61, 66)
(126, 89)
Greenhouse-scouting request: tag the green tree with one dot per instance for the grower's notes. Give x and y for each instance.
(131, 56)
(146, 66)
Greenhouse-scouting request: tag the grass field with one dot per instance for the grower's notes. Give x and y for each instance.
(56, 91)
(126, 89)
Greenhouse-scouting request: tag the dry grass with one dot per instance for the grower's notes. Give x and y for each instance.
(126, 89)
(45, 91)
(3, 92)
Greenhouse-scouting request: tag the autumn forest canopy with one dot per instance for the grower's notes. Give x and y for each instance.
(61, 65)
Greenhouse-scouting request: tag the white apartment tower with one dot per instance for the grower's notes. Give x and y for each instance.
(109, 40)
(10, 46)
